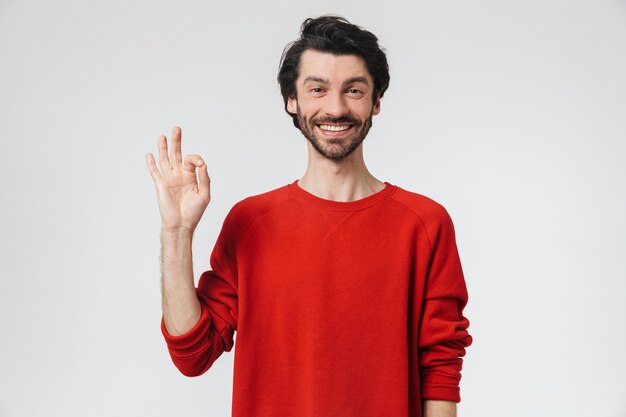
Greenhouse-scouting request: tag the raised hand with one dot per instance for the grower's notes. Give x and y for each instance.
(182, 198)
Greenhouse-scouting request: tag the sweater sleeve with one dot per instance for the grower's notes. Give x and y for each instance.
(443, 334)
(194, 352)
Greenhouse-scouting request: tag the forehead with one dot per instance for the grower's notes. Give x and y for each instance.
(335, 68)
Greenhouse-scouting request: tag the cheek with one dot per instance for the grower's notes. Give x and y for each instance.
(308, 110)
(365, 108)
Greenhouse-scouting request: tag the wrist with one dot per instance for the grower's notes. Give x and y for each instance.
(439, 408)
(178, 233)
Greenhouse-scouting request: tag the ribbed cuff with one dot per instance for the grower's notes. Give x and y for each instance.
(191, 341)
(440, 392)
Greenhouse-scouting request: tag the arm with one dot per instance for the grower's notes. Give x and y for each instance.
(194, 333)
(180, 305)
(182, 200)
(443, 334)
(205, 336)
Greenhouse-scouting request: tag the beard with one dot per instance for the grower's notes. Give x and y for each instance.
(335, 149)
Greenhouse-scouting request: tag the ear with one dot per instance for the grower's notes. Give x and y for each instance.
(376, 108)
(292, 105)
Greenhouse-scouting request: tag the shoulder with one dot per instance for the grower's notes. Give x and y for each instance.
(245, 212)
(430, 214)
(423, 207)
(260, 204)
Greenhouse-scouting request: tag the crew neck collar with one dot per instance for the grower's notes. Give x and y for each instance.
(362, 203)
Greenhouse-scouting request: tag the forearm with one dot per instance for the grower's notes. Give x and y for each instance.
(437, 408)
(181, 308)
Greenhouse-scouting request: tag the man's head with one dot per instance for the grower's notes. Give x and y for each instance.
(332, 79)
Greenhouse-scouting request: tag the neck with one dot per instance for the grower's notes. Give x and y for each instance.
(345, 180)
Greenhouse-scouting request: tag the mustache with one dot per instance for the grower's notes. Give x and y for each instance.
(337, 120)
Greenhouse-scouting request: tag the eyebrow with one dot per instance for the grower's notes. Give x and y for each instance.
(315, 79)
(356, 80)
(352, 80)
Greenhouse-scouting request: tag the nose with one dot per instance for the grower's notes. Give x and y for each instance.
(336, 105)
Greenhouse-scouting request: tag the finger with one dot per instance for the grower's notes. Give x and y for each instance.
(176, 158)
(154, 171)
(204, 182)
(191, 162)
(164, 161)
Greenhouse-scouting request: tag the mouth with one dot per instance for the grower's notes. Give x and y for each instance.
(334, 130)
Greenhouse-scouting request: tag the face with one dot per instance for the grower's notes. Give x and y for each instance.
(333, 102)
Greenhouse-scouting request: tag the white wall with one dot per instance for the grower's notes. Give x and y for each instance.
(510, 113)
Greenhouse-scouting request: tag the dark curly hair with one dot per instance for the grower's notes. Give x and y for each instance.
(335, 35)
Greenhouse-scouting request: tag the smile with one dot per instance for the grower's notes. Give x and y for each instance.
(334, 128)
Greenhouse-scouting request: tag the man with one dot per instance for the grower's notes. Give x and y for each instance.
(346, 291)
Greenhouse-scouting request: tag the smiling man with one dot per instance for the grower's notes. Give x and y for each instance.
(346, 292)
(337, 124)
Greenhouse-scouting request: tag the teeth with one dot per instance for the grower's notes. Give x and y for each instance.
(333, 128)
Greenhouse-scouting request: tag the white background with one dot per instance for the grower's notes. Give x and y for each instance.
(512, 114)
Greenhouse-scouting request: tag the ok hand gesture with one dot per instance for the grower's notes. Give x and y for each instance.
(182, 198)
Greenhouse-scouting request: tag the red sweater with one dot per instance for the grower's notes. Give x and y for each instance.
(342, 309)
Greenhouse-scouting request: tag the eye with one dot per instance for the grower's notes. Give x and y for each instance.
(316, 90)
(355, 92)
